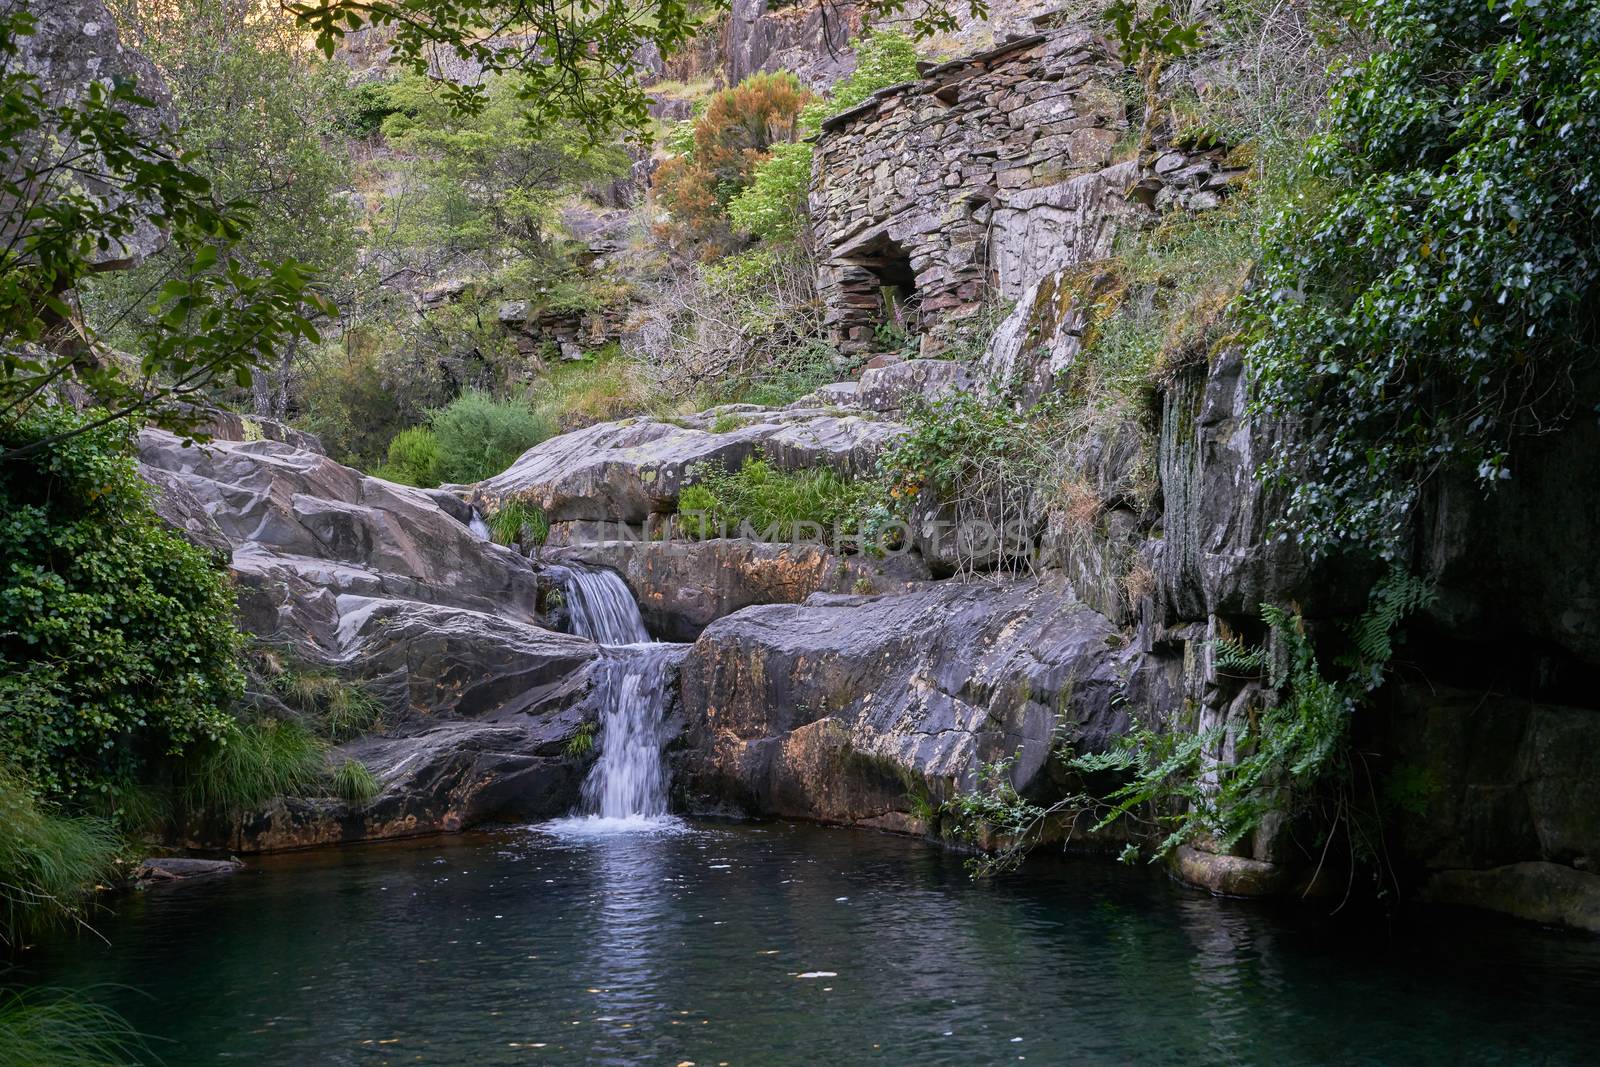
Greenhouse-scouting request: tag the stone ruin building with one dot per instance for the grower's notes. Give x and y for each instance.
(981, 178)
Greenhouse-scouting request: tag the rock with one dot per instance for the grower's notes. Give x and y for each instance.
(76, 43)
(1230, 876)
(168, 870)
(900, 386)
(684, 586)
(808, 39)
(387, 585)
(838, 708)
(1538, 892)
(837, 394)
(629, 470)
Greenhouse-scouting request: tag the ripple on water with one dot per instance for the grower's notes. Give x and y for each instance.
(587, 827)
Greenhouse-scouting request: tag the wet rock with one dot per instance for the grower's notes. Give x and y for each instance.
(1230, 876)
(839, 708)
(1538, 892)
(168, 870)
(684, 586)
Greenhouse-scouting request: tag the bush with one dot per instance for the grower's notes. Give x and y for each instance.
(730, 139)
(773, 207)
(1435, 302)
(413, 458)
(49, 862)
(117, 645)
(479, 436)
(775, 504)
(883, 58)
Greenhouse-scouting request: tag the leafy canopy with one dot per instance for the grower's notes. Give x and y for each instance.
(81, 187)
(1434, 296)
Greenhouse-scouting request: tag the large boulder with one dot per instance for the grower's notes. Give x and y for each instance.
(390, 587)
(629, 470)
(684, 586)
(841, 708)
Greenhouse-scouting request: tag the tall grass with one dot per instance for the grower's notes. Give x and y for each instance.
(254, 764)
(519, 521)
(341, 709)
(353, 781)
(45, 1028)
(49, 861)
(599, 388)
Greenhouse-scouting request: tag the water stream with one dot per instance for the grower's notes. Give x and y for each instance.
(626, 789)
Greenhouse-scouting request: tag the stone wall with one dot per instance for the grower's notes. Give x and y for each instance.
(976, 177)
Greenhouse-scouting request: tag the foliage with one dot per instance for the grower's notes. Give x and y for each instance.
(480, 436)
(575, 64)
(731, 138)
(772, 504)
(251, 764)
(482, 180)
(1158, 33)
(603, 385)
(1286, 761)
(353, 781)
(356, 400)
(1434, 302)
(45, 1028)
(517, 521)
(82, 185)
(883, 58)
(773, 206)
(117, 646)
(413, 459)
(49, 863)
(257, 118)
(582, 741)
(339, 709)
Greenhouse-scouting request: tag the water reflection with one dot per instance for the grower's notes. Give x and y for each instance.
(695, 942)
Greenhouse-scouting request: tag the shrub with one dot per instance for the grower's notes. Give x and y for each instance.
(117, 645)
(480, 436)
(599, 387)
(413, 458)
(517, 521)
(731, 138)
(49, 861)
(353, 781)
(773, 206)
(883, 58)
(773, 503)
(1434, 304)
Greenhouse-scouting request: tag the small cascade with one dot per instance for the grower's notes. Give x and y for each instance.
(478, 526)
(626, 789)
(629, 781)
(601, 606)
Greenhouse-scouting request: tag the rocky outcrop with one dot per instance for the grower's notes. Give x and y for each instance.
(846, 707)
(75, 43)
(809, 39)
(684, 586)
(630, 470)
(388, 586)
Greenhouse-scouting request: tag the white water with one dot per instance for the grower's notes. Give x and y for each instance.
(626, 789)
(478, 526)
(602, 608)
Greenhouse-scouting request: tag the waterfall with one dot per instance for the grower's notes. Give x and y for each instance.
(478, 526)
(628, 781)
(601, 607)
(626, 789)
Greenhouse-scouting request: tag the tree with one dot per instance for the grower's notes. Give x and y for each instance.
(78, 182)
(257, 116)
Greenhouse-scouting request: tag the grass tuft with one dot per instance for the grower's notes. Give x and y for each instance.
(49, 862)
(46, 1028)
(256, 763)
(517, 521)
(353, 781)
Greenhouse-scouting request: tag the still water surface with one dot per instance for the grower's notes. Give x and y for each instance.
(772, 944)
